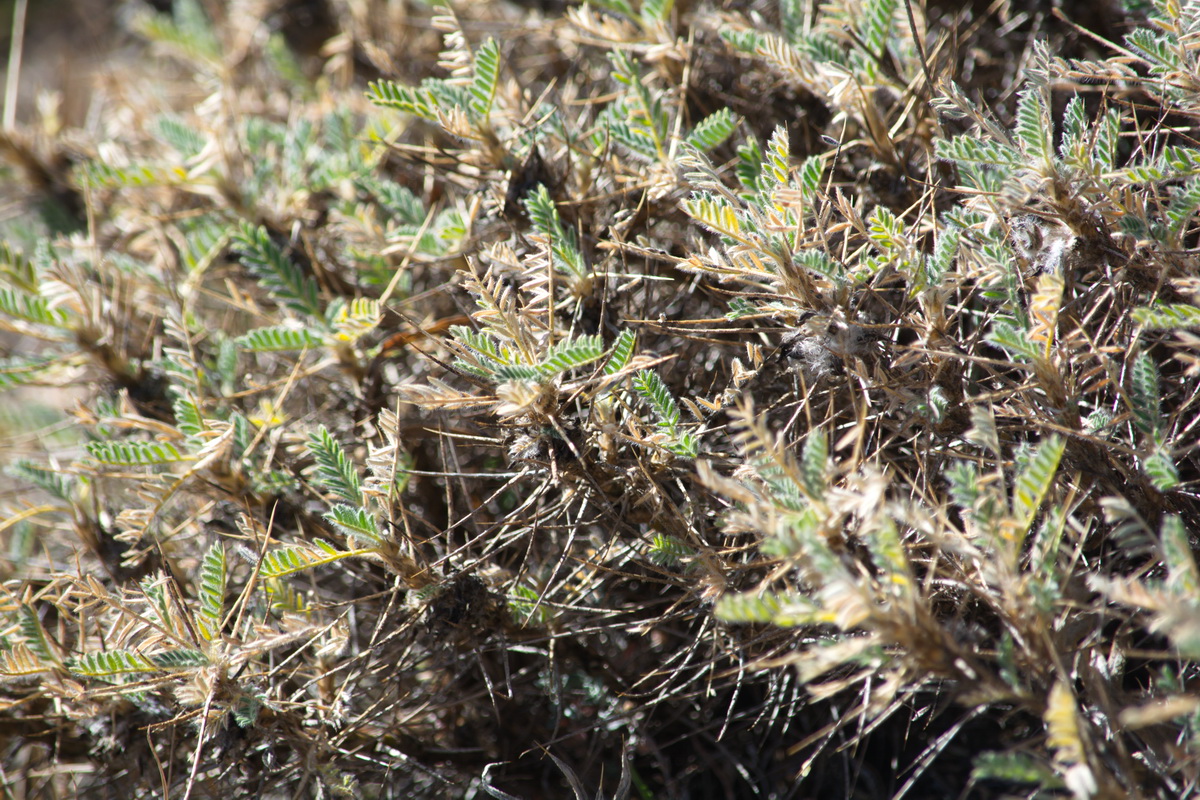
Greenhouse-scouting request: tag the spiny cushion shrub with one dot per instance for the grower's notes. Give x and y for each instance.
(630, 399)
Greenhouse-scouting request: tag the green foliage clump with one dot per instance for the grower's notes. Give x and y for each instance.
(641, 399)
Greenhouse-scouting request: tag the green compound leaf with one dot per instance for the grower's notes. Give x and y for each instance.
(715, 213)
(525, 609)
(1073, 144)
(1183, 577)
(517, 372)
(112, 662)
(245, 711)
(184, 658)
(120, 453)
(28, 308)
(1143, 395)
(1157, 49)
(809, 174)
(477, 371)
(797, 531)
(187, 30)
(651, 387)
(204, 240)
(419, 101)
(1104, 152)
(568, 355)
(1047, 541)
(972, 150)
(964, 484)
(1143, 173)
(50, 480)
(279, 338)
(885, 230)
(686, 445)
(667, 551)
(1034, 481)
(654, 11)
(748, 607)
(636, 140)
(188, 419)
(749, 167)
(944, 253)
(1161, 468)
(395, 198)
(179, 135)
(1014, 340)
(285, 281)
(644, 112)
(814, 464)
(819, 262)
(1183, 204)
(226, 363)
(355, 319)
(1033, 126)
(334, 471)
(483, 346)
(543, 216)
(292, 559)
(713, 130)
(786, 610)
(877, 23)
(983, 430)
(776, 165)
(622, 352)
(750, 42)
(133, 176)
(1183, 160)
(1168, 316)
(357, 523)
(17, 269)
(213, 577)
(34, 634)
(740, 307)
(483, 83)
(887, 549)
(156, 598)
